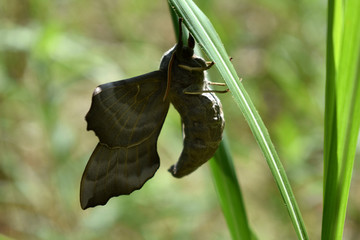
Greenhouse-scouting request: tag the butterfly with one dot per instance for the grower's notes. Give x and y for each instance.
(127, 117)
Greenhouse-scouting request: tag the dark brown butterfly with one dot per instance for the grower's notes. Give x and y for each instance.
(127, 117)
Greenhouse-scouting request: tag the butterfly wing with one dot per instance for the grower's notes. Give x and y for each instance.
(127, 117)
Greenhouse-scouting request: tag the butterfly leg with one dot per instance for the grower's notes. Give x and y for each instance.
(197, 69)
(216, 84)
(206, 91)
(190, 90)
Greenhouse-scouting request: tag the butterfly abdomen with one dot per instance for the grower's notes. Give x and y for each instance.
(203, 124)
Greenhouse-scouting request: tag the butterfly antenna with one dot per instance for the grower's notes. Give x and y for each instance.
(169, 76)
(179, 45)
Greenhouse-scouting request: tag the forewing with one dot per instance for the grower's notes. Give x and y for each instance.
(127, 112)
(127, 116)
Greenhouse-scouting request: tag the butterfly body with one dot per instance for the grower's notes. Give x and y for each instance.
(127, 116)
(201, 138)
(201, 113)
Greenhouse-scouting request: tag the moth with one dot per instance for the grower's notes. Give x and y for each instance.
(127, 117)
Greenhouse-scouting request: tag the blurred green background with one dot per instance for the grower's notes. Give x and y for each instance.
(54, 53)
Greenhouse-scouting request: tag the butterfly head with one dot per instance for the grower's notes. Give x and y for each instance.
(180, 52)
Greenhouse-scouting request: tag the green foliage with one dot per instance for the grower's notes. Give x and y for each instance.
(342, 115)
(204, 33)
(229, 193)
(224, 175)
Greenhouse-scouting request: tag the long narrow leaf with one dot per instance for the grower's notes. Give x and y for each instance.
(225, 180)
(229, 193)
(330, 133)
(346, 90)
(204, 33)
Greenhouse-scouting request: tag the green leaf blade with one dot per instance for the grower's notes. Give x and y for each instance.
(342, 116)
(228, 190)
(201, 28)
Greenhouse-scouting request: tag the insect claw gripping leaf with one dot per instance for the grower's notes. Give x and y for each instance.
(127, 117)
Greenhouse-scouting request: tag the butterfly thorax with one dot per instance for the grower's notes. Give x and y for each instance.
(183, 79)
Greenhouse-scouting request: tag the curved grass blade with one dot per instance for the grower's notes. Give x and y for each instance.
(203, 31)
(225, 180)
